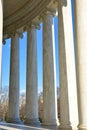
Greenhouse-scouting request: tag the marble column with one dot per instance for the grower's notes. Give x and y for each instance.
(31, 85)
(81, 60)
(68, 90)
(13, 116)
(49, 72)
(1, 30)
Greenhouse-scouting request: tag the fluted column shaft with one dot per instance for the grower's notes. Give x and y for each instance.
(68, 90)
(1, 32)
(81, 60)
(31, 86)
(14, 81)
(49, 72)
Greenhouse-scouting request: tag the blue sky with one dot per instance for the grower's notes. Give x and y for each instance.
(6, 58)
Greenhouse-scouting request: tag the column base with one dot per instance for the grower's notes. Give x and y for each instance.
(33, 122)
(50, 123)
(65, 127)
(82, 127)
(15, 121)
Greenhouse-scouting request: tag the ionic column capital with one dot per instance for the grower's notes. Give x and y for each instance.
(48, 11)
(12, 35)
(36, 25)
(17, 33)
(62, 2)
(51, 11)
(33, 24)
(4, 41)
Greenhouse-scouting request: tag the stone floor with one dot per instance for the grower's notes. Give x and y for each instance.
(9, 126)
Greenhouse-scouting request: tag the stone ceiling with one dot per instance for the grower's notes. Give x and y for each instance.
(18, 13)
(11, 6)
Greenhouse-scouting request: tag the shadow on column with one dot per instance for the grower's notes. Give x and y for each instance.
(64, 123)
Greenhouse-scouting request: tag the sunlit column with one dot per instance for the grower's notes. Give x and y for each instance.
(1, 30)
(31, 85)
(13, 115)
(49, 72)
(81, 60)
(68, 90)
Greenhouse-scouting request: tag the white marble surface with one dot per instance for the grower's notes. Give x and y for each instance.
(68, 88)
(14, 80)
(49, 72)
(31, 86)
(81, 60)
(9, 126)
